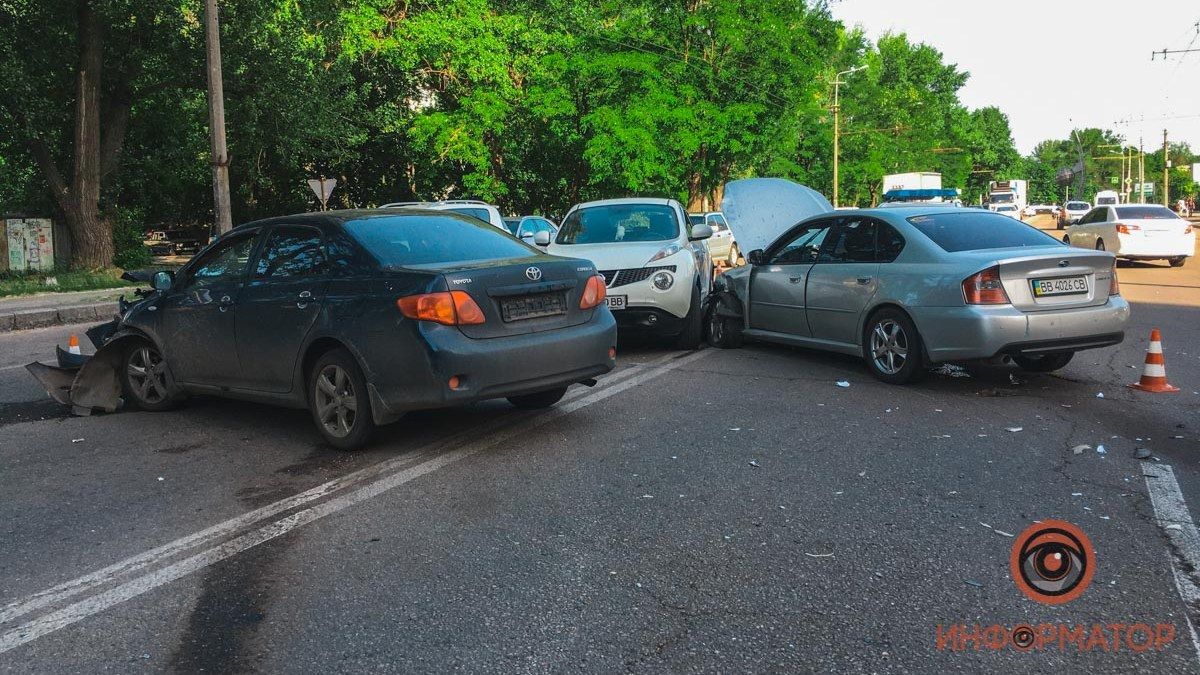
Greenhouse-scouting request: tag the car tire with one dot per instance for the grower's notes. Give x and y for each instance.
(146, 379)
(1178, 261)
(693, 324)
(339, 402)
(1100, 245)
(891, 331)
(1043, 364)
(724, 332)
(539, 400)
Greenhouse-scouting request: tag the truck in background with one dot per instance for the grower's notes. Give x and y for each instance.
(1013, 192)
(916, 180)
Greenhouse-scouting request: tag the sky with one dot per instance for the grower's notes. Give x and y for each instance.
(1054, 65)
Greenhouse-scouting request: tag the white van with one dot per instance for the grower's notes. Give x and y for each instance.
(1107, 198)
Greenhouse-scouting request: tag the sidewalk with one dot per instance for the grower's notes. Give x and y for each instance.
(55, 309)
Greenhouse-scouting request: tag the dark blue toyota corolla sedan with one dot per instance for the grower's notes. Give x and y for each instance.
(361, 316)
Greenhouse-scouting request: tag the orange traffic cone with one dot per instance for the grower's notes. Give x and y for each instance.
(73, 345)
(1154, 374)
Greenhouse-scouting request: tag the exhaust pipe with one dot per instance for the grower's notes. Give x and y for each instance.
(1000, 360)
(590, 382)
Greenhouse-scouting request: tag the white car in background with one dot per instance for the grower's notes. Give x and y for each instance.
(655, 264)
(468, 207)
(1009, 210)
(721, 246)
(526, 228)
(1072, 212)
(1135, 232)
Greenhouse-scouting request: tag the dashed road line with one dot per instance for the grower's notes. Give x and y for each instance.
(1173, 517)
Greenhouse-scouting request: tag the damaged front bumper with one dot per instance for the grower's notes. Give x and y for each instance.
(88, 383)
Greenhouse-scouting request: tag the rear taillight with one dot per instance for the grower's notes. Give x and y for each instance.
(1187, 229)
(593, 292)
(985, 288)
(1114, 286)
(452, 308)
(1125, 229)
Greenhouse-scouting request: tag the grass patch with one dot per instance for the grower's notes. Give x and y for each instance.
(28, 283)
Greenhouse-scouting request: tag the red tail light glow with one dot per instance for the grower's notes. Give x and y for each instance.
(1126, 229)
(593, 292)
(453, 308)
(985, 288)
(1114, 286)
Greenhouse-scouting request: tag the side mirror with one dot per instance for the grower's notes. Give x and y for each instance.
(700, 231)
(541, 238)
(756, 257)
(161, 281)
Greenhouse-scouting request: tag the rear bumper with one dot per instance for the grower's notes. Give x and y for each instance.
(649, 320)
(1156, 247)
(981, 332)
(492, 368)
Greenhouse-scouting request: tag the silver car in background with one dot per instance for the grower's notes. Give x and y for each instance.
(912, 286)
(722, 247)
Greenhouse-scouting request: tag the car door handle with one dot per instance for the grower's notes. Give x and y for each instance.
(224, 303)
(864, 280)
(795, 280)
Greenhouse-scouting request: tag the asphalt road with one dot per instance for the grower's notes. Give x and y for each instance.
(720, 511)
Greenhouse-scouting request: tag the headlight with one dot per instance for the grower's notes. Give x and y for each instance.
(662, 280)
(666, 252)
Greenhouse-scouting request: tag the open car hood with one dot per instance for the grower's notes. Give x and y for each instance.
(758, 210)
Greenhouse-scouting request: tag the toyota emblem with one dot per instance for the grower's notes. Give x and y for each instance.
(533, 273)
(1064, 263)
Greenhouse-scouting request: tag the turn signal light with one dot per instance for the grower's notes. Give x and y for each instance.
(452, 308)
(985, 288)
(1125, 229)
(1114, 286)
(593, 292)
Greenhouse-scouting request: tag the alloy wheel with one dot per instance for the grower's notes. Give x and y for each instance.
(148, 374)
(889, 346)
(337, 404)
(716, 326)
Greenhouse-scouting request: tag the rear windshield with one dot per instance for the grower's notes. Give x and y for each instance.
(401, 241)
(619, 223)
(1002, 199)
(696, 218)
(1146, 213)
(481, 214)
(1078, 206)
(978, 231)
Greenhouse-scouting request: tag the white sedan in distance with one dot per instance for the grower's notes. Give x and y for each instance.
(1135, 232)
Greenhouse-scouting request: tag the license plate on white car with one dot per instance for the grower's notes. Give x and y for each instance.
(1059, 286)
(616, 301)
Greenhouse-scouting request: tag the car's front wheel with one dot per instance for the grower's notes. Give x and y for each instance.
(724, 332)
(542, 399)
(693, 323)
(1178, 261)
(338, 400)
(892, 347)
(146, 379)
(1043, 363)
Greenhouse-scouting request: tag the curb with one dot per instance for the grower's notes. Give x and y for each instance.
(56, 316)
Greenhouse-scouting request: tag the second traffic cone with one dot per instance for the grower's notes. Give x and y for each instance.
(1154, 374)
(73, 345)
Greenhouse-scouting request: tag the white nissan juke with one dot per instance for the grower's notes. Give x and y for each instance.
(656, 267)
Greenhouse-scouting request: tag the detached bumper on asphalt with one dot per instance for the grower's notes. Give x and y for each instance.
(981, 332)
(492, 367)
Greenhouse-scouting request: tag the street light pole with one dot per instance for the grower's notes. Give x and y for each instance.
(837, 110)
(216, 120)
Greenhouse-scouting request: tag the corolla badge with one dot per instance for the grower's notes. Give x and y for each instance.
(533, 273)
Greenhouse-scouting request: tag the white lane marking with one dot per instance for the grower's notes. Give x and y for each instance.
(19, 365)
(1171, 509)
(226, 528)
(82, 609)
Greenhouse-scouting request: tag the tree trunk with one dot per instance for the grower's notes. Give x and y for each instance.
(91, 237)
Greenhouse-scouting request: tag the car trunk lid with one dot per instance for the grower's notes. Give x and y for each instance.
(1062, 278)
(522, 296)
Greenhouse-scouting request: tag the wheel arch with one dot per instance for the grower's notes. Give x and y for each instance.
(317, 348)
(890, 304)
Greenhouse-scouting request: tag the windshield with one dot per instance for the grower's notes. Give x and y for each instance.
(512, 224)
(696, 218)
(401, 241)
(1146, 213)
(1002, 198)
(1078, 206)
(478, 213)
(1105, 201)
(1005, 209)
(977, 231)
(619, 223)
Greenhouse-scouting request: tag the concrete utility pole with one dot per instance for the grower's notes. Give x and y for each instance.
(1141, 170)
(1166, 173)
(216, 120)
(837, 109)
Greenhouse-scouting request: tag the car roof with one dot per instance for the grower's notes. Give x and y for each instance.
(318, 218)
(660, 201)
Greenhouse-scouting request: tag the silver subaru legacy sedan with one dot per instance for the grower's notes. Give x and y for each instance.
(909, 287)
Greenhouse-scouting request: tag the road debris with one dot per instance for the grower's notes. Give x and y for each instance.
(843, 383)
(1100, 394)
(818, 555)
(1076, 494)
(1002, 532)
(77, 440)
(1015, 429)
(1078, 450)
(1141, 453)
(1015, 380)
(986, 525)
(735, 428)
(754, 463)
(972, 582)
(1173, 526)
(951, 370)
(1100, 450)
